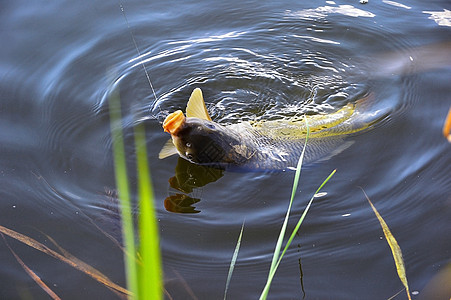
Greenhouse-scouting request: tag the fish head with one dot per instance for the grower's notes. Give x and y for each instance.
(200, 141)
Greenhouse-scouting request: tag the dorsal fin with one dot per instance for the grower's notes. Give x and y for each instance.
(196, 106)
(167, 150)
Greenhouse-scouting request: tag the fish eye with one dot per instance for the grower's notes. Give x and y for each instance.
(188, 145)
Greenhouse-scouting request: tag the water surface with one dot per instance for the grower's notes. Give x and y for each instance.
(254, 60)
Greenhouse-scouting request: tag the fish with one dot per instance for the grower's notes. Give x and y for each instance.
(261, 145)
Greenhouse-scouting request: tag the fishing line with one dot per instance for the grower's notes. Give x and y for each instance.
(139, 52)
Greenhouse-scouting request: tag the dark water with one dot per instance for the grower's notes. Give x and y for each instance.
(59, 61)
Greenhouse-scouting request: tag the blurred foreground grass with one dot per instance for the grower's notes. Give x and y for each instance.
(142, 260)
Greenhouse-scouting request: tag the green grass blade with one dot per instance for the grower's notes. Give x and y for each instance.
(123, 192)
(301, 219)
(293, 234)
(150, 272)
(285, 222)
(395, 249)
(232, 263)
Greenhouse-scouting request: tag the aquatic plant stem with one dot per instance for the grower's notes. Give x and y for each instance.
(32, 274)
(70, 259)
(123, 193)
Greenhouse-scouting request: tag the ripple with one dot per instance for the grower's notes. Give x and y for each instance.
(252, 62)
(323, 11)
(294, 68)
(291, 64)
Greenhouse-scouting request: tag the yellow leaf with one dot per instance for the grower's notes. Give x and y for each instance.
(395, 249)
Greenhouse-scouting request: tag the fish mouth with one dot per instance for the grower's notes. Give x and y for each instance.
(173, 122)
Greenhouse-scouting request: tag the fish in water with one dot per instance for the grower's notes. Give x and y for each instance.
(262, 145)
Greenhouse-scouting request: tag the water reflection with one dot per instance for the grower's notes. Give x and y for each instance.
(185, 184)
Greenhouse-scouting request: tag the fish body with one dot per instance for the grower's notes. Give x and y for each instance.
(262, 145)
